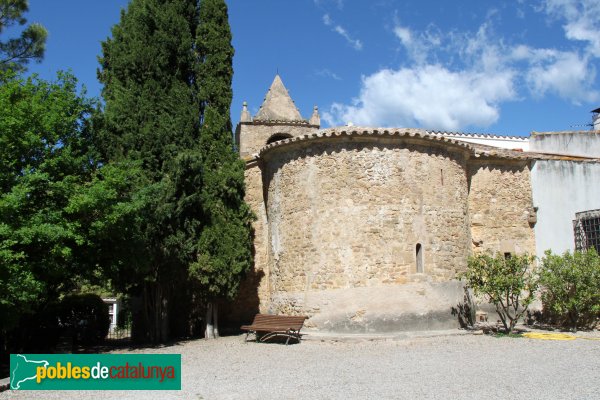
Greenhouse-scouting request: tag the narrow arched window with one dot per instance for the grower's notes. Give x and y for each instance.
(419, 258)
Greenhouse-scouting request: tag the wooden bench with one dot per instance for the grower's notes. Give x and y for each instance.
(275, 325)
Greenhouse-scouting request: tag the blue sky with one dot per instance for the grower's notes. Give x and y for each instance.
(504, 67)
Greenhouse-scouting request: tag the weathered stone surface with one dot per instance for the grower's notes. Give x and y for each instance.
(251, 137)
(278, 105)
(254, 294)
(388, 308)
(500, 201)
(346, 214)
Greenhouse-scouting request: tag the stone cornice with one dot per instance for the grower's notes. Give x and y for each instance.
(302, 123)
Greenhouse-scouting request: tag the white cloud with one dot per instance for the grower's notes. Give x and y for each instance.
(430, 96)
(355, 43)
(564, 73)
(419, 46)
(582, 21)
(460, 79)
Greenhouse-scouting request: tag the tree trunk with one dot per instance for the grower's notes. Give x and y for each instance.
(212, 321)
(216, 320)
(209, 331)
(156, 318)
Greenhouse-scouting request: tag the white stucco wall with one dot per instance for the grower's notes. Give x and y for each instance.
(503, 142)
(582, 143)
(560, 189)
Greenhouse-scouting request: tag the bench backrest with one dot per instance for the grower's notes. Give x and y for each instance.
(278, 321)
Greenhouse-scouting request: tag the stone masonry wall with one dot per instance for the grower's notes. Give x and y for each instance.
(500, 202)
(254, 295)
(251, 137)
(347, 213)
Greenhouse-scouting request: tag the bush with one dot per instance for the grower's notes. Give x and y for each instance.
(35, 332)
(86, 315)
(571, 288)
(509, 283)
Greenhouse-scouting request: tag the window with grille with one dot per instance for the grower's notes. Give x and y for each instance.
(587, 230)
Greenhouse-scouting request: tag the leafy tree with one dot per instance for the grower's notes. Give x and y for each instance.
(508, 283)
(15, 53)
(44, 153)
(224, 247)
(571, 288)
(62, 214)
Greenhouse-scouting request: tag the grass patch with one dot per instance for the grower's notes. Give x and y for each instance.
(499, 335)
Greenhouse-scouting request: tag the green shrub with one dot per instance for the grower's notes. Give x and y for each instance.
(571, 288)
(509, 283)
(35, 332)
(86, 315)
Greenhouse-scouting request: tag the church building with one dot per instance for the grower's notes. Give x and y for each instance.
(364, 229)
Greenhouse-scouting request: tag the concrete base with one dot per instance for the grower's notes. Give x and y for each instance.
(321, 336)
(417, 306)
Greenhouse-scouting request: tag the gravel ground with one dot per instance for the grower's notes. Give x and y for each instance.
(442, 367)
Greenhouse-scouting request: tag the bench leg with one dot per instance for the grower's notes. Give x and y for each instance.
(248, 334)
(294, 334)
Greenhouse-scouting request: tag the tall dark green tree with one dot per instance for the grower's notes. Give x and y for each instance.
(16, 52)
(158, 107)
(151, 117)
(224, 247)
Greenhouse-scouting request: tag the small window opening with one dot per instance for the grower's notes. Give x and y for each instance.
(507, 256)
(419, 253)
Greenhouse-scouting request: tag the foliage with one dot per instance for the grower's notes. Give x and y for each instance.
(571, 288)
(151, 119)
(36, 331)
(508, 283)
(15, 53)
(86, 316)
(465, 311)
(62, 214)
(167, 85)
(45, 159)
(224, 246)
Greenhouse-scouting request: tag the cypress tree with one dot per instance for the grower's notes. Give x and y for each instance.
(224, 245)
(151, 117)
(167, 74)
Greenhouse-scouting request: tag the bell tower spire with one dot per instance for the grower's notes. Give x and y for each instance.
(278, 118)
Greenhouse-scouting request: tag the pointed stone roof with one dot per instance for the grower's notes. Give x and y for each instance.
(278, 105)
